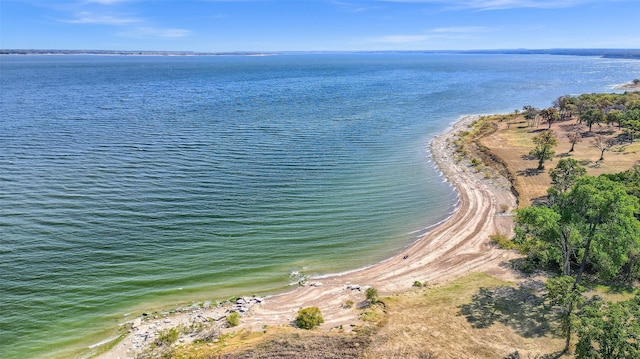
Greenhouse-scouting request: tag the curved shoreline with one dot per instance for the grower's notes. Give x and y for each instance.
(629, 86)
(455, 246)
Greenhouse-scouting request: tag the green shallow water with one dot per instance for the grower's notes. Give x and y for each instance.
(140, 183)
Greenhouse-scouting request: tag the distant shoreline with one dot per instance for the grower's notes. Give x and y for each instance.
(604, 53)
(123, 53)
(630, 86)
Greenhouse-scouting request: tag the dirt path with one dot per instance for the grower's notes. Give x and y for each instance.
(457, 246)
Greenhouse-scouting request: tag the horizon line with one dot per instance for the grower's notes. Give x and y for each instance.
(625, 53)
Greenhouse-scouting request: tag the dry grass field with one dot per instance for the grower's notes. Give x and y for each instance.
(512, 142)
(476, 316)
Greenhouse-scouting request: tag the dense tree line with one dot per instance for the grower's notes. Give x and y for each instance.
(589, 225)
(613, 110)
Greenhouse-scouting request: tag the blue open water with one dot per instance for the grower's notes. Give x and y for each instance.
(133, 183)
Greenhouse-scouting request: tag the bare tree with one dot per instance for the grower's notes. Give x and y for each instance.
(603, 143)
(530, 113)
(574, 136)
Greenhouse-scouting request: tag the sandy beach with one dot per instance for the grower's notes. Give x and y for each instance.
(630, 86)
(453, 248)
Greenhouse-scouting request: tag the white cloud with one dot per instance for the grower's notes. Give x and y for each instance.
(105, 2)
(510, 4)
(498, 4)
(459, 33)
(90, 18)
(128, 26)
(353, 7)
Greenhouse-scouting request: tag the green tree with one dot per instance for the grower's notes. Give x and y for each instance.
(594, 222)
(309, 318)
(592, 116)
(603, 212)
(565, 174)
(630, 179)
(609, 330)
(550, 115)
(544, 236)
(545, 142)
(631, 123)
(563, 104)
(614, 116)
(564, 294)
(550, 237)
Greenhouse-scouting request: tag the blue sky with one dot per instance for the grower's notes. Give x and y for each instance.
(318, 25)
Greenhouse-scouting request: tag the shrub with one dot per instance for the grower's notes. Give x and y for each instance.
(309, 318)
(417, 284)
(372, 295)
(348, 304)
(502, 241)
(233, 319)
(206, 334)
(167, 337)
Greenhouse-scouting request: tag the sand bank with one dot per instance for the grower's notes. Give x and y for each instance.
(631, 86)
(455, 247)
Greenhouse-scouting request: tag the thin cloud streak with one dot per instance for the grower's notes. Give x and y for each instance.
(436, 34)
(105, 2)
(498, 4)
(90, 18)
(461, 29)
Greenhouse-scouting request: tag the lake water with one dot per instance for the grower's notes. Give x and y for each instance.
(142, 183)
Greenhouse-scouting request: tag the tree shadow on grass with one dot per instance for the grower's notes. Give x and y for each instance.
(521, 308)
(554, 355)
(530, 172)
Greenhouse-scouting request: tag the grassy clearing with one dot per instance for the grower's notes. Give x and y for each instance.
(453, 321)
(613, 293)
(476, 316)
